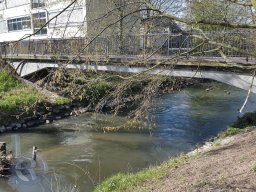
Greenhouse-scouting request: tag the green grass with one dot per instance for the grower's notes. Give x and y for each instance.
(19, 100)
(62, 100)
(123, 182)
(229, 132)
(13, 94)
(248, 120)
(7, 82)
(19, 97)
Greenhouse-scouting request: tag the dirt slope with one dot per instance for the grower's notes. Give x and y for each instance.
(228, 167)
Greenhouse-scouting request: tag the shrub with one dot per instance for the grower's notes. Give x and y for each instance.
(96, 90)
(248, 119)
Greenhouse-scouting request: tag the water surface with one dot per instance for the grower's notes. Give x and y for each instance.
(81, 158)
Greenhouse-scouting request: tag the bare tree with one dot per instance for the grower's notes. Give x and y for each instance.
(150, 27)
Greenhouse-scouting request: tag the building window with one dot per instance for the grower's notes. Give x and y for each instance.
(37, 3)
(39, 20)
(19, 24)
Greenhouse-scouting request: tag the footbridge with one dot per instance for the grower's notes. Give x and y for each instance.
(170, 57)
(238, 75)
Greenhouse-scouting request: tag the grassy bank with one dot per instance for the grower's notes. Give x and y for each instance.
(16, 98)
(130, 181)
(125, 182)
(247, 121)
(15, 95)
(19, 99)
(94, 91)
(105, 92)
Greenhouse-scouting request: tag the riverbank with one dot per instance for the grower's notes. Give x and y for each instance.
(69, 93)
(22, 105)
(177, 122)
(224, 164)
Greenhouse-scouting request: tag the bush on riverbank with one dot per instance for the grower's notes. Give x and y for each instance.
(112, 92)
(248, 119)
(93, 91)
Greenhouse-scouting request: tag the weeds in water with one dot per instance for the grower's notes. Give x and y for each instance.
(58, 184)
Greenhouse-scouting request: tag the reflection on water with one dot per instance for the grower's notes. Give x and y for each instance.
(76, 156)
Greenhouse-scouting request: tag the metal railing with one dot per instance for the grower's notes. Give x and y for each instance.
(164, 44)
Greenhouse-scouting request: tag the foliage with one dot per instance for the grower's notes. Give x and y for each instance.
(108, 91)
(216, 12)
(13, 94)
(253, 3)
(229, 132)
(95, 90)
(248, 119)
(122, 182)
(7, 81)
(19, 97)
(206, 10)
(62, 100)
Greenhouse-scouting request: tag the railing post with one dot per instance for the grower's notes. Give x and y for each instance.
(168, 39)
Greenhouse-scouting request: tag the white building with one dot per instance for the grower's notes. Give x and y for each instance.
(20, 18)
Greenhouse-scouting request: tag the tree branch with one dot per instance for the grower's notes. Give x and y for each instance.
(205, 22)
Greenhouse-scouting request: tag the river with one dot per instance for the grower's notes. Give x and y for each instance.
(70, 155)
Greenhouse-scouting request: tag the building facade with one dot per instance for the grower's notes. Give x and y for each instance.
(20, 18)
(88, 26)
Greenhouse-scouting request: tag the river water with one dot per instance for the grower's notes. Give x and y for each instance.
(72, 156)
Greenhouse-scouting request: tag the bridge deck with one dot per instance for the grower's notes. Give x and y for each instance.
(241, 64)
(243, 81)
